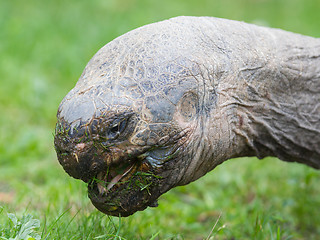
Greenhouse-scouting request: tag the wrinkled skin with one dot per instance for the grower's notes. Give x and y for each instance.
(166, 103)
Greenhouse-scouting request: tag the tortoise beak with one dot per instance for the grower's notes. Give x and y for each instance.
(78, 160)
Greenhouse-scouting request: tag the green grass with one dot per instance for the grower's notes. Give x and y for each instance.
(44, 46)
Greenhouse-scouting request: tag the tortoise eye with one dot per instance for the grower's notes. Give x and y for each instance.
(116, 129)
(122, 125)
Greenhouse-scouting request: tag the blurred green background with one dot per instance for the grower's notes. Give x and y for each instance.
(44, 47)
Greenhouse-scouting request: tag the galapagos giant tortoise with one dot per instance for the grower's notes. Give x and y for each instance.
(164, 104)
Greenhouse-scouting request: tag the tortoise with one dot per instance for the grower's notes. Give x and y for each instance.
(164, 104)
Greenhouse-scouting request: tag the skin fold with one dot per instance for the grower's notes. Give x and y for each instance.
(164, 104)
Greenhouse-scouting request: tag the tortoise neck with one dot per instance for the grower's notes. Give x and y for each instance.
(300, 62)
(285, 117)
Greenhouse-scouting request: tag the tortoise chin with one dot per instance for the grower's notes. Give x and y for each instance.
(131, 190)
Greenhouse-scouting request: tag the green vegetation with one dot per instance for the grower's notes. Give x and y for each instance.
(44, 46)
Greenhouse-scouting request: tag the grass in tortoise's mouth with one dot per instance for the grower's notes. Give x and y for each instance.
(115, 176)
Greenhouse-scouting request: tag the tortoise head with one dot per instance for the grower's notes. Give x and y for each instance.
(129, 156)
(133, 126)
(125, 129)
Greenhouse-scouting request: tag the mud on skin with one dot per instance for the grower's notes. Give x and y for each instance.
(166, 103)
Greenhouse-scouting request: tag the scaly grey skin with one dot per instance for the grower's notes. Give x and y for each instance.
(166, 103)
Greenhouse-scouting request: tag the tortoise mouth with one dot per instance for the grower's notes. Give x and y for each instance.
(123, 189)
(111, 179)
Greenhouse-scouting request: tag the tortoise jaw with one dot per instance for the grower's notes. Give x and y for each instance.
(115, 176)
(124, 193)
(104, 185)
